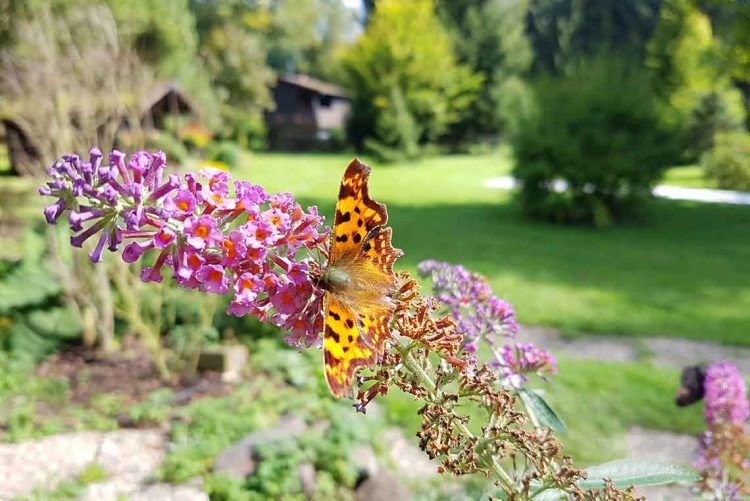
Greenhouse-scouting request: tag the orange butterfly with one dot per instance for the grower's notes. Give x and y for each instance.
(358, 282)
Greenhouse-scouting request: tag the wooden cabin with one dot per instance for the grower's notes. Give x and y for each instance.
(310, 114)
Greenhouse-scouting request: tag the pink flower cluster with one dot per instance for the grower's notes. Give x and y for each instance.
(520, 359)
(725, 395)
(214, 234)
(482, 316)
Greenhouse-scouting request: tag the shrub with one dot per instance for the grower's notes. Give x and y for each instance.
(716, 112)
(250, 132)
(165, 141)
(401, 80)
(596, 130)
(226, 152)
(194, 136)
(728, 163)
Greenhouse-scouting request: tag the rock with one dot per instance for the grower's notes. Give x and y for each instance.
(169, 492)
(365, 460)
(662, 446)
(44, 463)
(229, 360)
(383, 486)
(407, 459)
(307, 479)
(129, 458)
(238, 459)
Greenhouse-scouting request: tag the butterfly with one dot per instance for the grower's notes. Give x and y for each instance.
(358, 282)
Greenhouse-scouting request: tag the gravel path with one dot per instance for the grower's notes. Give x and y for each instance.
(662, 191)
(129, 457)
(664, 351)
(661, 446)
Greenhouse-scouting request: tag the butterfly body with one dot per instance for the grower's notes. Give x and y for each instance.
(358, 282)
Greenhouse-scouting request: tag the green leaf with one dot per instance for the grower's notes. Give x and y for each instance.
(627, 472)
(26, 287)
(550, 495)
(540, 410)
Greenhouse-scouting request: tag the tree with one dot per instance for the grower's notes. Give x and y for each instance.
(164, 37)
(731, 20)
(699, 98)
(490, 37)
(69, 82)
(597, 130)
(406, 52)
(563, 31)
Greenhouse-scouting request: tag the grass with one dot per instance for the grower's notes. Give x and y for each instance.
(689, 175)
(599, 402)
(682, 272)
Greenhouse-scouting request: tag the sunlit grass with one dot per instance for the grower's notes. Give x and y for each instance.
(689, 176)
(681, 272)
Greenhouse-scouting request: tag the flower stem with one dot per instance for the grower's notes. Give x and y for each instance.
(411, 364)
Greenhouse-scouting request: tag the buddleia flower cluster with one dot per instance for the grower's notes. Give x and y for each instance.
(724, 449)
(206, 231)
(482, 317)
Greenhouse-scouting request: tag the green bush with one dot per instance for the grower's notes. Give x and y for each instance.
(406, 90)
(176, 152)
(226, 152)
(728, 163)
(596, 130)
(716, 112)
(250, 132)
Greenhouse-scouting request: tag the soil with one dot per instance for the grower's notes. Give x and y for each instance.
(129, 373)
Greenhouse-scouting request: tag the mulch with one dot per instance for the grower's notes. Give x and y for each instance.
(129, 373)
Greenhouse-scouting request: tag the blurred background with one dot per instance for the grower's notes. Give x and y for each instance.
(588, 156)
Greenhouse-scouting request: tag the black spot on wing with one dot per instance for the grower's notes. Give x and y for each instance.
(332, 334)
(343, 217)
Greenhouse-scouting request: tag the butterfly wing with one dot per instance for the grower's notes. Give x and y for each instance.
(343, 345)
(378, 250)
(357, 327)
(356, 213)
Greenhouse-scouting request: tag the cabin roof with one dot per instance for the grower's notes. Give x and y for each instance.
(313, 84)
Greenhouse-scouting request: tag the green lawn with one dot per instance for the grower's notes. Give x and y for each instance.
(690, 176)
(683, 272)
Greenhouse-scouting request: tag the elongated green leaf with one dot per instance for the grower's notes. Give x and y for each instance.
(627, 472)
(541, 410)
(550, 495)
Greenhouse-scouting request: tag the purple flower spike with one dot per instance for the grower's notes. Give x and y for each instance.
(213, 279)
(117, 160)
(96, 255)
(139, 164)
(482, 316)
(133, 251)
(218, 236)
(725, 394)
(76, 218)
(54, 211)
